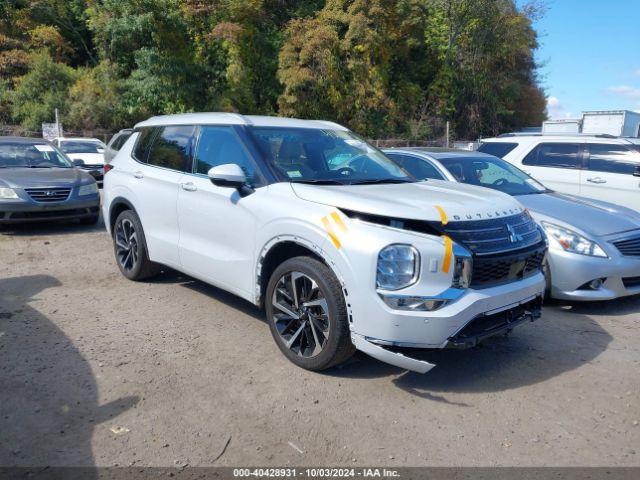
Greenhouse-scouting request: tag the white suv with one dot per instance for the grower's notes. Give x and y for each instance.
(342, 248)
(601, 167)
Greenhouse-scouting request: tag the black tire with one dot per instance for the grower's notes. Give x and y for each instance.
(336, 343)
(90, 220)
(138, 267)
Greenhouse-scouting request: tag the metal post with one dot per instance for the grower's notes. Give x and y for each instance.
(58, 124)
(446, 142)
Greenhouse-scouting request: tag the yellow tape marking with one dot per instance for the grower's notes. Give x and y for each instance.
(339, 222)
(443, 215)
(448, 254)
(329, 229)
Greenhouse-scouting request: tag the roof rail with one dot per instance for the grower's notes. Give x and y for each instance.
(559, 134)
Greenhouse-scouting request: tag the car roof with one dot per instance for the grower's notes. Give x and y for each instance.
(78, 139)
(440, 153)
(510, 138)
(25, 140)
(220, 118)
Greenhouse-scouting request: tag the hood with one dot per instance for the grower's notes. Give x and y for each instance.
(416, 201)
(590, 216)
(41, 177)
(88, 158)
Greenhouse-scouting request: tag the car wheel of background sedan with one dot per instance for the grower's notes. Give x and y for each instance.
(131, 249)
(307, 314)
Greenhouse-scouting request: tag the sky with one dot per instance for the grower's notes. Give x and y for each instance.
(589, 55)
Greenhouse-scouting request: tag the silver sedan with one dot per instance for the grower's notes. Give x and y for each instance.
(594, 247)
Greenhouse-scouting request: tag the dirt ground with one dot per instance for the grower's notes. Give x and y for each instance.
(97, 370)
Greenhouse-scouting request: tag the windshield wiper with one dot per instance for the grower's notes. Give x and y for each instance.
(319, 182)
(382, 180)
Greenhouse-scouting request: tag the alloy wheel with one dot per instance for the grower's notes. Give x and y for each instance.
(126, 239)
(301, 314)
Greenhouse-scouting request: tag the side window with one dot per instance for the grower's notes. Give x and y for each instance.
(497, 149)
(172, 148)
(557, 155)
(143, 142)
(419, 168)
(219, 146)
(612, 159)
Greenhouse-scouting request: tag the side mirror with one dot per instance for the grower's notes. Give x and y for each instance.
(78, 162)
(100, 150)
(636, 172)
(227, 175)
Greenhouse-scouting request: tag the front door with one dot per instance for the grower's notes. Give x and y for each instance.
(217, 224)
(610, 175)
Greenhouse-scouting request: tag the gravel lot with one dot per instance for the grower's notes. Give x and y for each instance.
(97, 370)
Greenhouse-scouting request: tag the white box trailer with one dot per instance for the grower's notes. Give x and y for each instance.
(619, 123)
(562, 126)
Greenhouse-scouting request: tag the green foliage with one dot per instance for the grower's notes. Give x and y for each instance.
(38, 93)
(382, 67)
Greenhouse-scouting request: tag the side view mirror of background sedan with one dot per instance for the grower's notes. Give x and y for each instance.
(78, 163)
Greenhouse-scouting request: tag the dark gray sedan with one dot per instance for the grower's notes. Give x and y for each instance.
(594, 246)
(38, 183)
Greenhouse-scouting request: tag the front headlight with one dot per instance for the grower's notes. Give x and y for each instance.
(398, 267)
(8, 194)
(573, 242)
(89, 189)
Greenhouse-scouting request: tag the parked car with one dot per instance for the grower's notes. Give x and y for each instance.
(86, 153)
(600, 167)
(594, 249)
(343, 254)
(116, 143)
(37, 182)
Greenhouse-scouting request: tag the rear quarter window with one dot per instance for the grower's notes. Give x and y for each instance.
(497, 149)
(143, 142)
(171, 148)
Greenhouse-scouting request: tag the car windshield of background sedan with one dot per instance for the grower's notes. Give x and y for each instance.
(31, 155)
(81, 147)
(306, 155)
(493, 173)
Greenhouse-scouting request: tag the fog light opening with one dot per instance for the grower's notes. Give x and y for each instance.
(596, 284)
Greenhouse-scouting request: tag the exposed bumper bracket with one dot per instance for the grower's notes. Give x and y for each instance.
(387, 356)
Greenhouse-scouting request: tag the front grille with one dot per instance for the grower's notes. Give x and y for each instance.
(631, 282)
(504, 249)
(485, 237)
(505, 268)
(629, 247)
(47, 195)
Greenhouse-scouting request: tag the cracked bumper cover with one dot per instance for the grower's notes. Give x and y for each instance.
(481, 327)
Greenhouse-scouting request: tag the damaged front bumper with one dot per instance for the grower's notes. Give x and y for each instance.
(483, 326)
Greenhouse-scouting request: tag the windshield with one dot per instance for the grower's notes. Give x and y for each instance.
(80, 146)
(31, 155)
(492, 173)
(309, 155)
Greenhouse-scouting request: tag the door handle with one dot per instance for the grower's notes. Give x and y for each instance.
(189, 187)
(596, 180)
(138, 175)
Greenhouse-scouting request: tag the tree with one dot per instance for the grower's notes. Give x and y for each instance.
(39, 92)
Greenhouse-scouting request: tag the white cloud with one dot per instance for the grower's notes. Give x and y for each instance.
(625, 91)
(556, 109)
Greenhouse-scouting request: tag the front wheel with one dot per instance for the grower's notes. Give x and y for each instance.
(307, 314)
(131, 248)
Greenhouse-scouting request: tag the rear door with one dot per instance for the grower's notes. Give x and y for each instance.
(557, 165)
(163, 155)
(611, 174)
